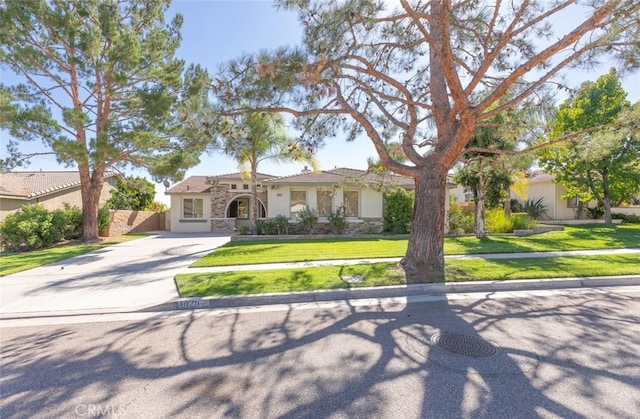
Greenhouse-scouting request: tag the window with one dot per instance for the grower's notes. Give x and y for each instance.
(298, 201)
(573, 202)
(192, 208)
(351, 203)
(325, 203)
(234, 186)
(245, 186)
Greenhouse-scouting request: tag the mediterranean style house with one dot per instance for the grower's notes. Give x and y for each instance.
(221, 203)
(50, 189)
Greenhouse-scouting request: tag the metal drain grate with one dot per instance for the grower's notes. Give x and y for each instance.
(464, 345)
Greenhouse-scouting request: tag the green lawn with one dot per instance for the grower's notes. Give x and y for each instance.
(584, 237)
(11, 263)
(378, 274)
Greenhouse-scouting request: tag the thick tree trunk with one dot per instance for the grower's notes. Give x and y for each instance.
(608, 219)
(424, 260)
(479, 207)
(90, 189)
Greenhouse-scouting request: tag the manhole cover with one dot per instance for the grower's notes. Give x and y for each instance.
(465, 345)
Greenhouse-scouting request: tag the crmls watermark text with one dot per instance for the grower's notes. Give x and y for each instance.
(100, 410)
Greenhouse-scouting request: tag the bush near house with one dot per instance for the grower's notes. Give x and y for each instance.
(308, 218)
(460, 220)
(534, 208)
(273, 226)
(34, 227)
(627, 218)
(499, 223)
(398, 211)
(338, 221)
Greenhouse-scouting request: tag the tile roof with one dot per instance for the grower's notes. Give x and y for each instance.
(192, 184)
(539, 177)
(202, 184)
(28, 185)
(344, 175)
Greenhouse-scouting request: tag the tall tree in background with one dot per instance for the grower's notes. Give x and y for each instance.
(415, 72)
(132, 193)
(255, 137)
(102, 87)
(603, 163)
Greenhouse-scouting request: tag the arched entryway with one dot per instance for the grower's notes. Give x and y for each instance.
(238, 208)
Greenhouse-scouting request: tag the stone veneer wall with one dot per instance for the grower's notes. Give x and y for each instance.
(125, 221)
(362, 226)
(221, 195)
(223, 225)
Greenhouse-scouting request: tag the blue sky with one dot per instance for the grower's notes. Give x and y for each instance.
(215, 31)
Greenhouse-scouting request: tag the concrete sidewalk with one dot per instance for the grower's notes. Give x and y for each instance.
(139, 275)
(124, 277)
(338, 262)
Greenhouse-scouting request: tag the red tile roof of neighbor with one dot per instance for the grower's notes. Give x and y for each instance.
(28, 185)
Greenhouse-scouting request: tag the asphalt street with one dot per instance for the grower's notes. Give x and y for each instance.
(563, 353)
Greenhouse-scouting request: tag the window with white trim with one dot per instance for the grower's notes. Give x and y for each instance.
(192, 208)
(298, 201)
(351, 203)
(325, 203)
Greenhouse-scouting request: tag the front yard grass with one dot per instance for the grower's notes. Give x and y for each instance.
(11, 263)
(379, 274)
(586, 237)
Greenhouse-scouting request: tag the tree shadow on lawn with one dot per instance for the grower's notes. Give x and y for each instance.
(374, 361)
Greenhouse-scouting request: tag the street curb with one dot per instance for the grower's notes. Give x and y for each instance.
(396, 291)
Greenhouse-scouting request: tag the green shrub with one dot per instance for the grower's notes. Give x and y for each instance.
(459, 220)
(243, 230)
(521, 221)
(398, 211)
(273, 226)
(338, 220)
(595, 212)
(73, 228)
(156, 206)
(282, 224)
(535, 209)
(104, 218)
(627, 218)
(266, 227)
(497, 222)
(32, 227)
(308, 219)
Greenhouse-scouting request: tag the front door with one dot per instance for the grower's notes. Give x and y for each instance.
(239, 209)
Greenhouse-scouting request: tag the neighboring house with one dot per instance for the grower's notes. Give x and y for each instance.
(50, 189)
(541, 185)
(220, 203)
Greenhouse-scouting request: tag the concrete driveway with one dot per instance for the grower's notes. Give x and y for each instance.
(123, 277)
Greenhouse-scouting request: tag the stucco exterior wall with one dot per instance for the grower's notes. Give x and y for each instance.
(635, 210)
(55, 200)
(371, 203)
(181, 225)
(278, 201)
(552, 195)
